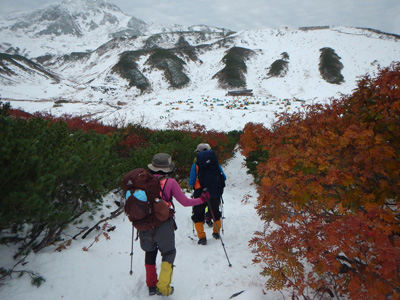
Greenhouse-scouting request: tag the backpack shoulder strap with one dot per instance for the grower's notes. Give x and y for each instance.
(163, 182)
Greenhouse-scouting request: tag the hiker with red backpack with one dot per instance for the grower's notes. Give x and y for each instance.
(207, 174)
(161, 236)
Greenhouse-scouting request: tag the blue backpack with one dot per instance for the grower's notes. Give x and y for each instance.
(209, 173)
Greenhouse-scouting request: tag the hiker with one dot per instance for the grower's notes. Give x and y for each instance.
(207, 217)
(214, 181)
(162, 238)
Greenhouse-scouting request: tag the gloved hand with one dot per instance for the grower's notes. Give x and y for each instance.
(205, 196)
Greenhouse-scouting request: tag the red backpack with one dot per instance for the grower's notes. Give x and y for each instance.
(152, 212)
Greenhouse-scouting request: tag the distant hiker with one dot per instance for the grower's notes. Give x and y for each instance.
(162, 238)
(206, 173)
(207, 217)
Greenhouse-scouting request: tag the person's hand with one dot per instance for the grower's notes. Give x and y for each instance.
(205, 196)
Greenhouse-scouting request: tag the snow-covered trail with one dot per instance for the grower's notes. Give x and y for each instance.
(201, 272)
(204, 270)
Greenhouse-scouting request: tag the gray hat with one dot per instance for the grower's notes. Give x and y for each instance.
(202, 147)
(161, 162)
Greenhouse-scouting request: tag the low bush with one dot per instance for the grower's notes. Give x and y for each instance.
(329, 194)
(49, 177)
(55, 169)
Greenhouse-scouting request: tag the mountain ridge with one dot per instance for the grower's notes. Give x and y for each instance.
(95, 20)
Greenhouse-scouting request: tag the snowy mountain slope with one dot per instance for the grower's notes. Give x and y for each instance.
(22, 76)
(80, 65)
(359, 54)
(74, 26)
(26, 69)
(91, 22)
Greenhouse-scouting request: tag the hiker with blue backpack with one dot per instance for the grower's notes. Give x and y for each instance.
(157, 231)
(206, 174)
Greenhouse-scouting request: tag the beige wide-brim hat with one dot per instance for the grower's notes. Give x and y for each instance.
(161, 162)
(202, 147)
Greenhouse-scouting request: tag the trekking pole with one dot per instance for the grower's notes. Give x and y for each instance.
(220, 237)
(222, 217)
(133, 233)
(192, 196)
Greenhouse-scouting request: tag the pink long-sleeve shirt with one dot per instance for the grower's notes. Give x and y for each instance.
(172, 189)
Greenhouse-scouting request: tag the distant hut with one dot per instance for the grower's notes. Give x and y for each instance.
(248, 93)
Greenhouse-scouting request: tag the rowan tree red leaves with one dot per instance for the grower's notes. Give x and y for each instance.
(329, 190)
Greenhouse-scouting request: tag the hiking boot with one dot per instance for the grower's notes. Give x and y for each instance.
(202, 241)
(215, 235)
(209, 222)
(216, 228)
(161, 294)
(152, 290)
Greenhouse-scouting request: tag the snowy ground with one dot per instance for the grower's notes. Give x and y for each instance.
(201, 272)
(215, 110)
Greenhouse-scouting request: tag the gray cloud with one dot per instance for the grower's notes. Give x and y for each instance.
(254, 14)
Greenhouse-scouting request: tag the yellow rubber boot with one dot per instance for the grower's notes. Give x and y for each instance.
(216, 229)
(200, 233)
(164, 280)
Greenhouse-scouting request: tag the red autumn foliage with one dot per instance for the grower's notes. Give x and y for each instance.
(79, 123)
(17, 113)
(104, 232)
(86, 124)
(73, 122)
(132, 137)
(329, 192)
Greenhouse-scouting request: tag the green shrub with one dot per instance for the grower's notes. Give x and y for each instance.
(55, 169)
(330, 66)
(49, 176)
(252, 161)
(139, 145)
(233, 74)
(128, 69)
(278, 68)
(179, 145)
(172, 66)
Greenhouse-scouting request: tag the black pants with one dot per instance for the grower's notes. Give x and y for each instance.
(198, 211)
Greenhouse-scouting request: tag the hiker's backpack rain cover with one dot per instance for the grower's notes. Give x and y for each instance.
(209, 173)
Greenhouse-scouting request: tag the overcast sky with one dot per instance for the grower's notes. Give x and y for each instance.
(237, 15)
